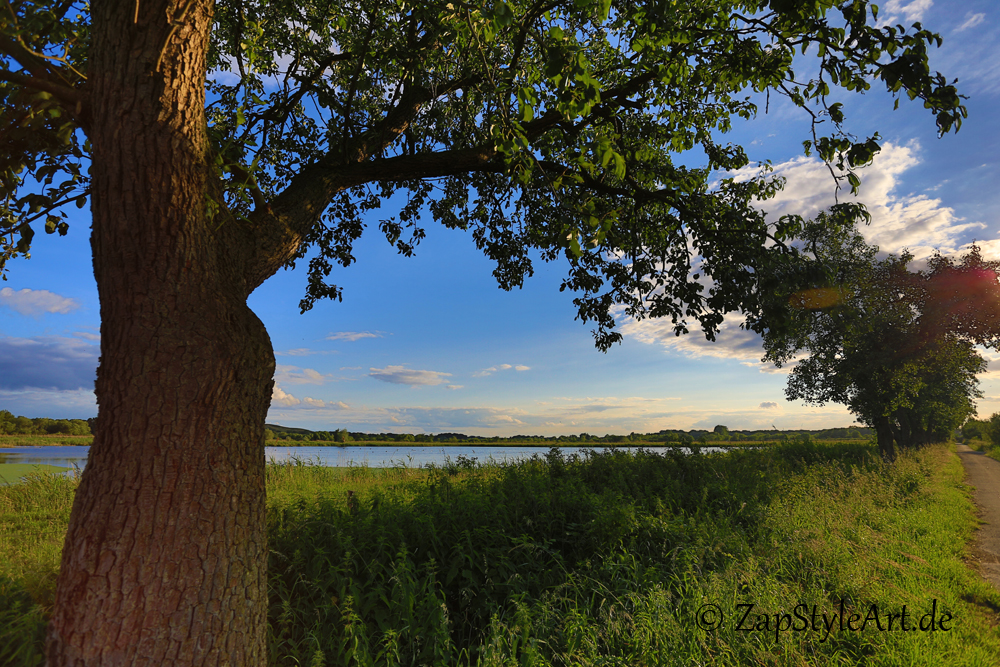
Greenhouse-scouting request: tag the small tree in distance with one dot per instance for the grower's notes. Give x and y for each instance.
(896, 347)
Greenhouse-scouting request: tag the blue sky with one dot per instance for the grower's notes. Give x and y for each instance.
(430, 344)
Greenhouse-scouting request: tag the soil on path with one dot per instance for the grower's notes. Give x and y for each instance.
(983, 473)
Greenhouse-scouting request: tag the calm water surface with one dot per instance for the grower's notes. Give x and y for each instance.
(373, 457)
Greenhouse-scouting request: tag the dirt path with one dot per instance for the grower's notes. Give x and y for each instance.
(983, 473)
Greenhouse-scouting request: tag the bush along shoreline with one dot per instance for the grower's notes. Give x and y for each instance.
(803, 553)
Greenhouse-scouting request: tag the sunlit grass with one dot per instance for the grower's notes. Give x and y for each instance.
(44, 440)
(598, 559)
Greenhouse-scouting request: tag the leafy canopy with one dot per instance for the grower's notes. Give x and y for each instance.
(558, 127)
(888, 343)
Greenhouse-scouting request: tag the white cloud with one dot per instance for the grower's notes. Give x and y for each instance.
(65, 404)
(455, 386)
(557, 416)
(731, 342)
(899, 220)
(911, 11)
(971, 21)
(296, 375)
(499, 367)
(507, 419)
(303, 352)
(912, 221)
(403, 375)
(86, 335)
(993, 359)
(279, 397)
(353, 335)
(35, 302)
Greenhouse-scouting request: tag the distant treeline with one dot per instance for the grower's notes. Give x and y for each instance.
(11, 425)
(719, 434)
(18, 425)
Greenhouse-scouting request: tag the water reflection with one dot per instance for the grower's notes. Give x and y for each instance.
(67, 456)
(373, 457)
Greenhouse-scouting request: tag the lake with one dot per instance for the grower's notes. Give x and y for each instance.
(373, 457)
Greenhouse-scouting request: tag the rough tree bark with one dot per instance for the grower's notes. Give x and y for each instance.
(165, 558)
(883, 434)
(166, 552)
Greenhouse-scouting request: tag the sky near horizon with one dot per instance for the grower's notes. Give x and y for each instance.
(430, 344)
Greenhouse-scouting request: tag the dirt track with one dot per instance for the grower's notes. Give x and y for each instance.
(983, 473)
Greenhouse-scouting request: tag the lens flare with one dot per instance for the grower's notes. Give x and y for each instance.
(816, 298)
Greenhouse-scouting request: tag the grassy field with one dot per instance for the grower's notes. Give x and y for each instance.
(44, 440)
(614, 559)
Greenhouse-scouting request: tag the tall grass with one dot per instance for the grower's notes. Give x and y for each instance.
(610, 558)
(33, 519)
(603, 558)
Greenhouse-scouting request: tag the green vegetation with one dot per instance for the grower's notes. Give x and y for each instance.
(11, 425)
(33, 520)
(983, 434)
(589, 131)
(721, 435)
(44, 440)
(286, 436)
(896, 347)
(608, 557)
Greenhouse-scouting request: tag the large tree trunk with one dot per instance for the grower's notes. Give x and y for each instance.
(883, 434)
(903, 428)
(164, 562)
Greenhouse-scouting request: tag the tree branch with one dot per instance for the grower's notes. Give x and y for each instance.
(70, 97)
(35, 66)
(43, 77)
(278, 229)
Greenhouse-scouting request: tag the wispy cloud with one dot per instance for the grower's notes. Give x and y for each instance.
(408, 376)
(354, 335)
(282, 399)
(303, 352)
(296, 375)
(912, 11)
(731, 342)
(66, 403)
(971, 21)
(35, 302)
(47, 362)
(559, 416)
(768, 405)
(499, 367)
